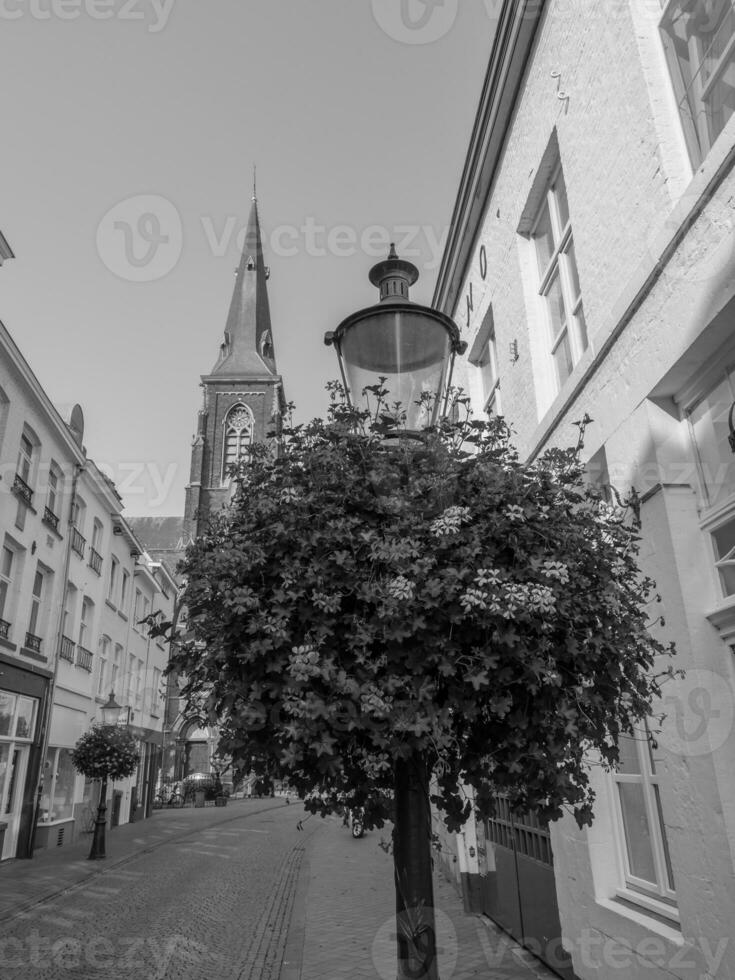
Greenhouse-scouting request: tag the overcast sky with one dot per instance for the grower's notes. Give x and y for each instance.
(129, 131)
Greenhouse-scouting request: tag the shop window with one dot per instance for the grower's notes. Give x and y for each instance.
(699, 40)
(57, 799)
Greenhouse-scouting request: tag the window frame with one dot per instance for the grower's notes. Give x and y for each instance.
(558, 267)
(228, 429)
(691, 98)
(660, 896)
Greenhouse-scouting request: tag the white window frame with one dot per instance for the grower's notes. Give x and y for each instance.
(112, 581)
(26, 458)
(559, 266)
(7, 578)
(115, 666)
(691, 100)
(659, 896)
(54, 490)
(85, 620)
(103, 656)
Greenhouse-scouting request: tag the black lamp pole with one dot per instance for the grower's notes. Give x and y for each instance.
(110, 717)
(413, 347)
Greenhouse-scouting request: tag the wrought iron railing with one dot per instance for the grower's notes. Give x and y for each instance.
(21, 488)
(50, 518)
(67, 649)
(78, 542)
(84, 658)
(95, 561)
(33, 642)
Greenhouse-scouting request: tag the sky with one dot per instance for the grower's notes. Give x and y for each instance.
(129, 133)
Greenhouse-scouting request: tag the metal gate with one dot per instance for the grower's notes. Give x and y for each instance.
(518, 890)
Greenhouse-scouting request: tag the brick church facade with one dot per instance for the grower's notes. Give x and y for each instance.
(242, 403)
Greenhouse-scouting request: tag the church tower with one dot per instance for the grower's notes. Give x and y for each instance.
(243, 393)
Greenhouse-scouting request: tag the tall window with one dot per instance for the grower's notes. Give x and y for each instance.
(53, 501)
(488, 365)
(7, 568)
(646, 859)
(238, 436)
(84, 623)
(35, 623)
(558, 279)
(103, 657)
(112, 584)
(25, 459)
(116, 666)
(699, 39)
(709, 426)
(97, 535)
(124, 589)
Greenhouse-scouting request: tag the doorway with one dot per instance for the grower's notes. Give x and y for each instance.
(13, 768)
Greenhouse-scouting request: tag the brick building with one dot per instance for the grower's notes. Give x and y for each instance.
(70, 573)
(242, 403)
(591, 266)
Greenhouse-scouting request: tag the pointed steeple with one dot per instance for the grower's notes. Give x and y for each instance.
(248, 346)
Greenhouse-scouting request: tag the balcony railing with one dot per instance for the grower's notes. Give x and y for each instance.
(22, 490)
(4, 628)
(50, 518)
(78, 542)
(95, 561)
(33, 642)
(84, 658)
(67, 649)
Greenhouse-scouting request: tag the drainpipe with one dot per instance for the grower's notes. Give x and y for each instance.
(47, 707)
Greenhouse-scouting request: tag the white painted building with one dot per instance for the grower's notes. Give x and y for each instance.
(74, 585)
(591, 267)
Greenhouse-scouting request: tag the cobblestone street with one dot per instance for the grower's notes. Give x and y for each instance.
(228, 893)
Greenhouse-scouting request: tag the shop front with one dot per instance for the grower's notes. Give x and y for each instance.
(22, 693)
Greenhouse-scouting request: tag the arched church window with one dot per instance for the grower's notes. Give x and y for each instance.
(238, 436)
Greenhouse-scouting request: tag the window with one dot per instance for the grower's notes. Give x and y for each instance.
(7, 567)
(25, 459)
(645, 850)
(709, 428)
(97, 535)
(699, 39)
(137, 608)
(488, 365)
(112, 584)
(103, 657)
(139, 677)
(57, 800)
(558, 279)
(116, 666)
(156, 694)
(131, 677)
(84, 622)
(238, 436)
(36, 622)
(53, 497)
(124, 588)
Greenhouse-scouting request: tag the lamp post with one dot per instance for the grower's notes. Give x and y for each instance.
(413, 348)
(111, 712)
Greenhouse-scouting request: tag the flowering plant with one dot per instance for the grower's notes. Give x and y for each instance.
(106, 751)
(369, 599)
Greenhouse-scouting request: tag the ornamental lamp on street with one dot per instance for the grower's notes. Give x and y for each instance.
(413, 347)
(111, 711)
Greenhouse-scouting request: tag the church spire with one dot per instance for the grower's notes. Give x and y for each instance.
(248, 345)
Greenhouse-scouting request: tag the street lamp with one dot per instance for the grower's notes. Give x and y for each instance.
(111, 711)
(112, 717)
(413, 347)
